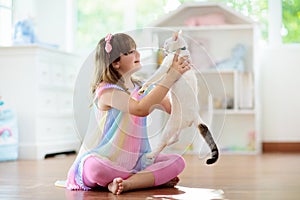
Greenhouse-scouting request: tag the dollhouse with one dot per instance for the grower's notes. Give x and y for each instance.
(222, 45)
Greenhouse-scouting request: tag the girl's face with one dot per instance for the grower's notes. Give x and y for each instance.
(130, 62)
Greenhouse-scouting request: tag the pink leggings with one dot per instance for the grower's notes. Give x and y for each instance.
(102, 172)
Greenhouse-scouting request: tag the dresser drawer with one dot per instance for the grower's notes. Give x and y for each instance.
(55, 129)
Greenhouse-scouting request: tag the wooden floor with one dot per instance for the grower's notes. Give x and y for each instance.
(267, 176)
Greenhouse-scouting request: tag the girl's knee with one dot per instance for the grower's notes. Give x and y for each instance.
(177, 162)
(180, 163)
(89, 173)
(102, 172)
(169, 166)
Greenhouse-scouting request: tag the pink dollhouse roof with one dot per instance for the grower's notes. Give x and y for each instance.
(199, 9)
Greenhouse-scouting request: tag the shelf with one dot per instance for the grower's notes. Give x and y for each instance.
(213, 27)
(234, 111)
(215, 71)
(220, 71)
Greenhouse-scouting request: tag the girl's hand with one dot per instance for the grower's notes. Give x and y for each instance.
(179, 65)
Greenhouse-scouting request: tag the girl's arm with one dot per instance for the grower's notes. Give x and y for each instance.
(165, 105)
(122, 101)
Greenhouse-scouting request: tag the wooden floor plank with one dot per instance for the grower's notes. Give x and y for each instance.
(266, 176)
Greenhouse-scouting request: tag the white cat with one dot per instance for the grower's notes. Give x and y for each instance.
(184, 101)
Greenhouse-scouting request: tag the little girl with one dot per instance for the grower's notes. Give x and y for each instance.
(114, 156)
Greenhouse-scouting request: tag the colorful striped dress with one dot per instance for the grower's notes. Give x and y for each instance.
(120, 137)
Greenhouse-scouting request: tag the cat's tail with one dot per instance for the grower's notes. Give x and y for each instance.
(210, 142)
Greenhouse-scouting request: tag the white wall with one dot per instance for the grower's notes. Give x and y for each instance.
(54, 20)
(279, 81)
(280, 94)
(23, 9)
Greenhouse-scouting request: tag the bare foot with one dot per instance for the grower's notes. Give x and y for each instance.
(116, 187)
(172, 183)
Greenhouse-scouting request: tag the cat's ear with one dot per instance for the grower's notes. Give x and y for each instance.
(175, 36)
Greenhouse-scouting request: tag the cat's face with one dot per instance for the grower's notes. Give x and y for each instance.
(174, 43)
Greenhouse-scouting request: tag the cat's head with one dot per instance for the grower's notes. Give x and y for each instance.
(176, 42)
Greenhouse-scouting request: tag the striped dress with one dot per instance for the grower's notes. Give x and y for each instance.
(120, 137)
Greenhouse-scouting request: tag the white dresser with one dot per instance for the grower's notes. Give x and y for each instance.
(37, 83)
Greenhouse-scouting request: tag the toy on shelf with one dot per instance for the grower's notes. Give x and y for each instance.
(24, 32)
(207, 19)
(236, 61)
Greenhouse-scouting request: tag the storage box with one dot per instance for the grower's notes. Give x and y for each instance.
(8, 135)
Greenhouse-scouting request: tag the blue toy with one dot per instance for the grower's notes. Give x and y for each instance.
(24, 32)
(236, 61)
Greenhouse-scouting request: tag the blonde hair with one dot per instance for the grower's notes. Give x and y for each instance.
(104, 71)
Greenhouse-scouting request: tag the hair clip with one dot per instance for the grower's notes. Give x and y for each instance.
(108, 46)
